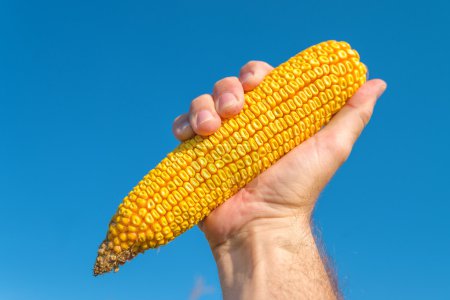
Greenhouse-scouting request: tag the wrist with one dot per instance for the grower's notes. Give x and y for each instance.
(268, 234)
(249, 260)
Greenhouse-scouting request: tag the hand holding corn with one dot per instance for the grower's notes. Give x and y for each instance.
(260, 129)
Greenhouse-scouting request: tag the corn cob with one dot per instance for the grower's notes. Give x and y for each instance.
(292, 103)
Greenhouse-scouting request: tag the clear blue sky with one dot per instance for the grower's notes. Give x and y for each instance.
(88, 91)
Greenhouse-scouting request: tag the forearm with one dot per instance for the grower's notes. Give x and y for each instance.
(273, 262)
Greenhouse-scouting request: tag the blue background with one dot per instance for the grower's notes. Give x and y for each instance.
(88, 92)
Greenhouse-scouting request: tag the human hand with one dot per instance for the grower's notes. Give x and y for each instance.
(291, 186)
(276, 207)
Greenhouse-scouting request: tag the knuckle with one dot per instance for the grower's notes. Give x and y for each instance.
(362, 116)
(199, 100)
(230, 79)
(226, 81)
(251, 64)
(365, 115)
(342, 149)
(337, 146)
(193, 105)
(178, 118)
(257, 67)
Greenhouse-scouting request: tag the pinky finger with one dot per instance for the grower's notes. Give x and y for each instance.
(182, 128)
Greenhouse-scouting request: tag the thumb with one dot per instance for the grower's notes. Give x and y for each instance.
(339, 136)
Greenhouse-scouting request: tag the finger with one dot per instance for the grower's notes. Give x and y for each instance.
(228, 96)
(252, 73)
(201, 225)
(339, 136)
(182, 128)
(203, 116)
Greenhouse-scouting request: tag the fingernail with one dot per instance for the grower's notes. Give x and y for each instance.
(226, 101)
(246, 77)
(203, 116)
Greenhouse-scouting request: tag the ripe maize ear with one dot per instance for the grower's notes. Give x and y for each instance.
(292, 103)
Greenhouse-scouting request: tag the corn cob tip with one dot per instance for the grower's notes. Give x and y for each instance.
(107, 260)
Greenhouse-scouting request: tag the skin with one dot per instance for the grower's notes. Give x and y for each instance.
(262, 238)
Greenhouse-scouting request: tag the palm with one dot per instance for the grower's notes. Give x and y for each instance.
(288, 188)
